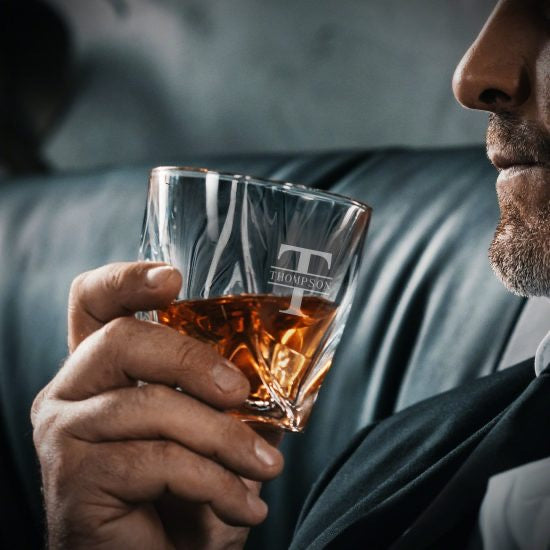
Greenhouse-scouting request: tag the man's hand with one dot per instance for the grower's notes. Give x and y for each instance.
(128, 466)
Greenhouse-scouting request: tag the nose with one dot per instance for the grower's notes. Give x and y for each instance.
(493, 75)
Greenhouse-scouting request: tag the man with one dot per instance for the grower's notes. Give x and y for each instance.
(147, 467)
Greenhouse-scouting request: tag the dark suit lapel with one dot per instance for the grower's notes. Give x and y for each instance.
(520, 436)
(393, 477)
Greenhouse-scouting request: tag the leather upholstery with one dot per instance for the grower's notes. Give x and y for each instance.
(428, 315)
(161, 77)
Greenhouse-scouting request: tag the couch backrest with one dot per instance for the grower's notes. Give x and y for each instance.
(269, 75)
(428, 314)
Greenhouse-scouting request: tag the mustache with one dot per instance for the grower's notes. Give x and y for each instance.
(517, 139)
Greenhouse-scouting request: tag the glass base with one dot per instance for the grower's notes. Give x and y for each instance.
(272, 415)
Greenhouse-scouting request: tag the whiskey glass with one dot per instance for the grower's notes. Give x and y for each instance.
(269, 272)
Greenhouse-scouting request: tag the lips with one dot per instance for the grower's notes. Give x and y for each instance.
(520, 151)
(502, 161)
(522, 181)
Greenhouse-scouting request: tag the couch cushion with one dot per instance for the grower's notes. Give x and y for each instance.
(428, 314)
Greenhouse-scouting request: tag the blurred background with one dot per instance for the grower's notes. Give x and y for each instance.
(85, 83)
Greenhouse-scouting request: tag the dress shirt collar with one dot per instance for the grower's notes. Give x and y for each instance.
(542, 356)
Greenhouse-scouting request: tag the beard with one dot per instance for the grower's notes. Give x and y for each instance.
(520, 251)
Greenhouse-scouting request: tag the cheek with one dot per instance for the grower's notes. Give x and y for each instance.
(542, 86)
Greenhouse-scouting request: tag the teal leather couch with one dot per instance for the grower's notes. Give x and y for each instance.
(428, 314)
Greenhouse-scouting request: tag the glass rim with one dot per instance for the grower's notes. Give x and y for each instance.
(295, 187)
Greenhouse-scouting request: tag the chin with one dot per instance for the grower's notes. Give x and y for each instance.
(520, 257)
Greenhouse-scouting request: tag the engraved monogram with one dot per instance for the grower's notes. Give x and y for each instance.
(300, 280)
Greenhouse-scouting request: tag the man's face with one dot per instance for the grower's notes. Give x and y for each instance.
(507, 71)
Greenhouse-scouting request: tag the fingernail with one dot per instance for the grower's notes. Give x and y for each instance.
(265, 452)
(256, 504)
(158, 276)
(227, 377)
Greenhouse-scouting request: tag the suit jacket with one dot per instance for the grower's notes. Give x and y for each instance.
(416, 480)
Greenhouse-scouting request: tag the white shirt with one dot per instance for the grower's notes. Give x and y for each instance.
(542, 356)
(515, 513)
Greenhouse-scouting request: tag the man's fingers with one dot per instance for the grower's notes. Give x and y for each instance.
(142, 471)
(127, 350)
(154, 411)
(117, 290)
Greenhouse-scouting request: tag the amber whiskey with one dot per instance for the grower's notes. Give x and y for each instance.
(277, 351)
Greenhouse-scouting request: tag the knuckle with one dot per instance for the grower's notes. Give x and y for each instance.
(232, 442)
(219, 443)
(37, 404)
(116, 332)
(118, 463)
(228, 483)
(45, 429)
(121, 278)
(77, 283)
(192, 352)
(112, 341)
(207, 472)
(167, 452)
(233, 434)
(115, 281)
(152, 394)
(77, 289)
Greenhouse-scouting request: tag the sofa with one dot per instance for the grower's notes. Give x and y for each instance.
(151, 79)
(428, 315)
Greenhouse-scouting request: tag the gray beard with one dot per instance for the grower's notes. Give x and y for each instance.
(520, 253)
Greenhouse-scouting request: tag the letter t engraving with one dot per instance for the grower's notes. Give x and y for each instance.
(304, 257)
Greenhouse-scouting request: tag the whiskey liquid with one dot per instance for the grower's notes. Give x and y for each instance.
(273, 349)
